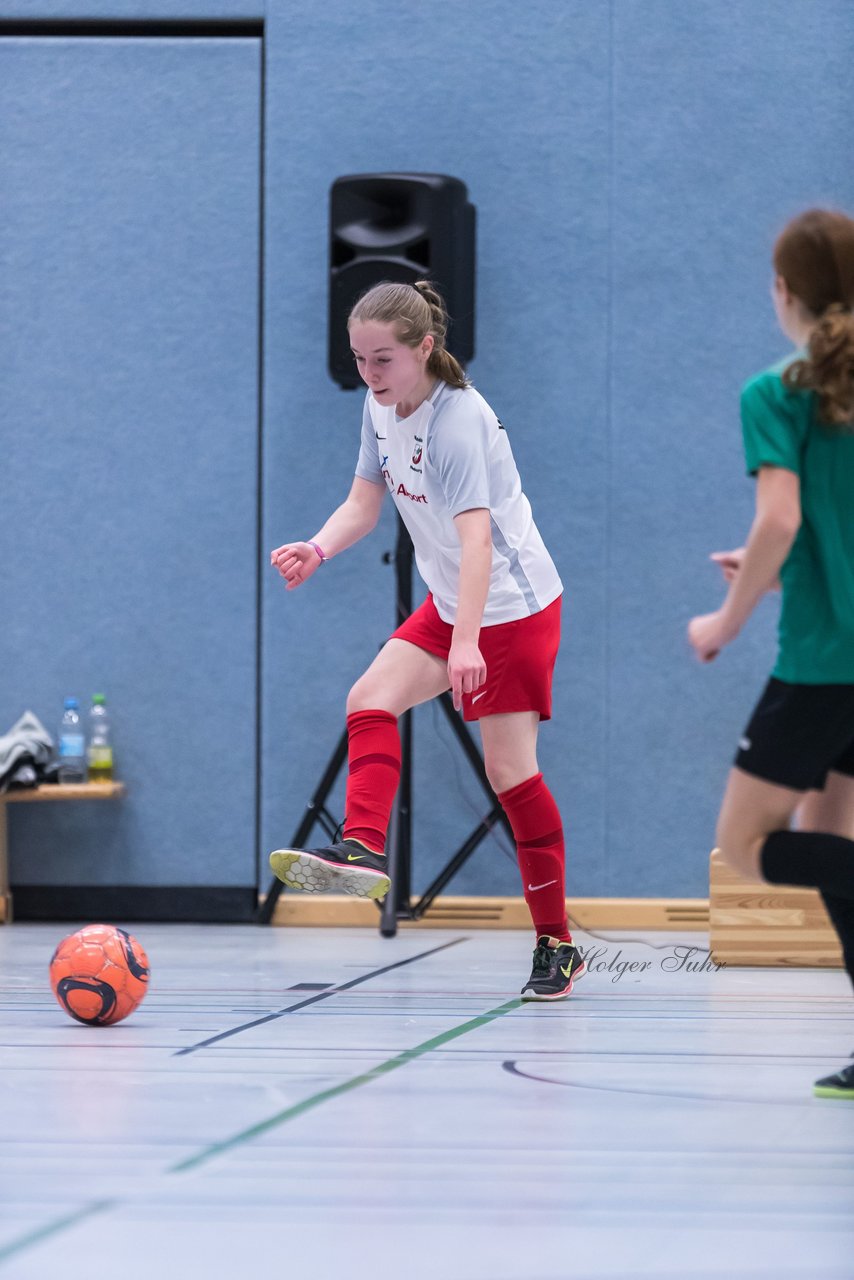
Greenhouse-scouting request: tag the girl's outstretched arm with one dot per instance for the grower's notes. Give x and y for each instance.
(357, 516)
(729, 563)
(774, 529)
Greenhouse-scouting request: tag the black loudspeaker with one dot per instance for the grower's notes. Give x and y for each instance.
(400, 227)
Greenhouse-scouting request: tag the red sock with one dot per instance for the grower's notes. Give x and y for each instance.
(536, 824)
(374, 750)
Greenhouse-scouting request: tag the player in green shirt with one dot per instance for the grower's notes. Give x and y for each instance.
(796, 758)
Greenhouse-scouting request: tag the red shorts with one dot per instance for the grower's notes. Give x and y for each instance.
(519, 656)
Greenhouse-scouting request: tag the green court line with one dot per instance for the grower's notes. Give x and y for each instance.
(281, 1117)
(42, 1233)
(315, 1100)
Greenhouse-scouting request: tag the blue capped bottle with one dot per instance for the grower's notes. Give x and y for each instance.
(72, 744)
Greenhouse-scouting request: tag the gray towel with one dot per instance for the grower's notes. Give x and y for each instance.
(27, 742)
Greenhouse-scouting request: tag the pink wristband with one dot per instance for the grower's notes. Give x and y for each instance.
(319, 552)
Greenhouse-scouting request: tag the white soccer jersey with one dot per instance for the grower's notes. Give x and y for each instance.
(453, 455)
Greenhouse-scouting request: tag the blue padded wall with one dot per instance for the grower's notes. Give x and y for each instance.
(129, 346)
(630, 164)
(712, 154)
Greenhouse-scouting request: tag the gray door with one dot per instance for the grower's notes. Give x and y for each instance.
(129, 341)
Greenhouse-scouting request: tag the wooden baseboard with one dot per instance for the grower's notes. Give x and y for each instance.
(764, 924)
(497, 913)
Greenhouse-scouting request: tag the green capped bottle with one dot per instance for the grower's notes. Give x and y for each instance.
(99, 752)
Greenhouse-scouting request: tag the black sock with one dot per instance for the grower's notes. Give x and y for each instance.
(841, 912)
(810, 858)
(817, 860)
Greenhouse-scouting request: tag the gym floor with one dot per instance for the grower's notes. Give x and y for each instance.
(336, 1104)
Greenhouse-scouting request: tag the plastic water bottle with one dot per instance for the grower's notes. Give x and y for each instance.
(72, 744)
(99, 753)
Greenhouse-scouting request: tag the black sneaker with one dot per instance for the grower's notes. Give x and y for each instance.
(346, 867)
(556, 965)
(840, 1085)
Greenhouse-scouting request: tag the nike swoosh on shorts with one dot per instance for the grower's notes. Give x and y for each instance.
(477, 695)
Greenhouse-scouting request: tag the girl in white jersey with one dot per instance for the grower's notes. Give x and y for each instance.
(489, 629)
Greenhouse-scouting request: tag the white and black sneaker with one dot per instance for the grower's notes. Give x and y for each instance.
(556, 966)
(346, 867)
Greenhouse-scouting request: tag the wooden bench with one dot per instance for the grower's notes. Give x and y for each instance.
(767, 924)
(67, 791)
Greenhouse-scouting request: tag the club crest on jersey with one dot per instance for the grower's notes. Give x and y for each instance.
(417, 451)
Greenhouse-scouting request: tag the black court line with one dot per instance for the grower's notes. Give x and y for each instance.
(324, 995)
(673, 1096)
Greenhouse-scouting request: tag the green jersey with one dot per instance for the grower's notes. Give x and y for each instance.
(781, 429)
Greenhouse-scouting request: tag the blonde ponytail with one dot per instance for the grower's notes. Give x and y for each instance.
(441, 362)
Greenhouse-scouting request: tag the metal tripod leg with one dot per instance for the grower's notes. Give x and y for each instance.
(398, 904)
(496, 813)
(399, 842)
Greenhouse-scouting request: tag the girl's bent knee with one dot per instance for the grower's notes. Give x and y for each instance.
(359, 698)
(506, 778)
(366, 696)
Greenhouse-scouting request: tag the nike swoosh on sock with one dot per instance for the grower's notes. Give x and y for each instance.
(532, 888)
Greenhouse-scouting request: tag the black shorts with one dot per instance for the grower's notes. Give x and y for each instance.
(798, 733)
